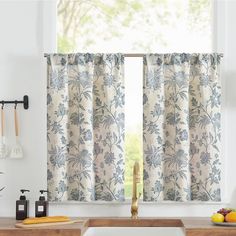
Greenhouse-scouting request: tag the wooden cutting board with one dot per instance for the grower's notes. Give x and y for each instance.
(21, 225)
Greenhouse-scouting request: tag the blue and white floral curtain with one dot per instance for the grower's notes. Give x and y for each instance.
(85, 127)
(181, 127)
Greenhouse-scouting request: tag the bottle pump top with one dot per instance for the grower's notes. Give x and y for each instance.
(42, 197)
(22, 197)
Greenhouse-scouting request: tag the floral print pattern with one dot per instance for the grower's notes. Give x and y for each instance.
(85, 124)
(181, 127)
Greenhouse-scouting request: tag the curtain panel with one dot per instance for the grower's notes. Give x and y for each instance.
(181, 127)
(85, 124)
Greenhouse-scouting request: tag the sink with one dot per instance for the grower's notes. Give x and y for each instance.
(137, 231)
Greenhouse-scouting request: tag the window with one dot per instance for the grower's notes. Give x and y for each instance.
(131, 26)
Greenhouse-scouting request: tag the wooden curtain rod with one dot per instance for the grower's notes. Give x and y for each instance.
(125, 54)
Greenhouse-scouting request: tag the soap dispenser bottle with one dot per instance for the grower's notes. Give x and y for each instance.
(22, 206)
(41, 206)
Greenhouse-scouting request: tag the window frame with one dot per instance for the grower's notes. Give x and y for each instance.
(219, 13)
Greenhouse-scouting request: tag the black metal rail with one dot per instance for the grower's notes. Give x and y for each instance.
(25, 102)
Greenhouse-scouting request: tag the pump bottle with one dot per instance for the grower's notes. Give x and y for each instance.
(22, 206)
(41, 206)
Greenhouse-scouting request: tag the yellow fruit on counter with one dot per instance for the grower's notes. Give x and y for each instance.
(231, 217)
(217, 218)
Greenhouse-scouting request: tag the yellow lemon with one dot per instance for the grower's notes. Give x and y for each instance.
(217, 218)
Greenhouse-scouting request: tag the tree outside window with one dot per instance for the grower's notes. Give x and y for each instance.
(131, 26)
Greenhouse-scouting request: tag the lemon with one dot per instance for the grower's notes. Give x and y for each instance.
(217, 218)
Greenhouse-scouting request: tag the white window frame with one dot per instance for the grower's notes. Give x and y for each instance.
(49, 13)
(219, 45)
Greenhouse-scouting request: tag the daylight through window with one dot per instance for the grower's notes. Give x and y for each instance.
(134, 26)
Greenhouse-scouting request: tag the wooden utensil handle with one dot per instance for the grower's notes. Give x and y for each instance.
(16, 123)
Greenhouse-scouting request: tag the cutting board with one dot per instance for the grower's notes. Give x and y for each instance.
(21, 225)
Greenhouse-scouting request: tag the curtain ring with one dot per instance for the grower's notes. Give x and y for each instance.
(2, 105)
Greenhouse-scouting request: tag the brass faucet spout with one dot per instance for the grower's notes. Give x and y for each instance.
(136, 179)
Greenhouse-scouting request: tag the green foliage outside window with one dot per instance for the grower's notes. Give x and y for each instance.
(85, 25)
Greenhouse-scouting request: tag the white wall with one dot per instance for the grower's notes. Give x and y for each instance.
(22, 71)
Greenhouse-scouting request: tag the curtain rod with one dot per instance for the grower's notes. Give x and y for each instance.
(140, 54)
(125, 54)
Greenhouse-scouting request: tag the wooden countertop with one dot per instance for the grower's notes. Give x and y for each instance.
(193, 226)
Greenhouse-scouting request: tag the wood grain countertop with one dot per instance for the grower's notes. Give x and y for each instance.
(193, 226)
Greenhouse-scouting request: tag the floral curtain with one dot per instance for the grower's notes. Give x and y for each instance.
(181, 126)
(85, 124)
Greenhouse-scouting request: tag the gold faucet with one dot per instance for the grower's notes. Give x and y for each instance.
(136, 179)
